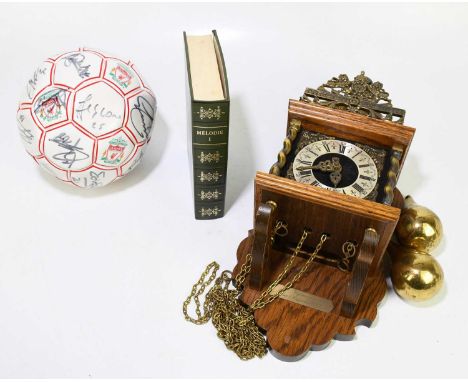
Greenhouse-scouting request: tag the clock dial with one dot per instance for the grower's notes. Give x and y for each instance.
(337, 166)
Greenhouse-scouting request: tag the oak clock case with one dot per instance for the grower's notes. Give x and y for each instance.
(324, 151)
(336, 175)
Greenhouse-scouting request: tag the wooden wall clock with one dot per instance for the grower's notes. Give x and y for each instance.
(336, 175)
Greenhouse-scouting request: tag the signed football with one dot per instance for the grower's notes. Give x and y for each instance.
(86, 117)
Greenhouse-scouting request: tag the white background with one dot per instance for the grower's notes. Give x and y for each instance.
(92, 282)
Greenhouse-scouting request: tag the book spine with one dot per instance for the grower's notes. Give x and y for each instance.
(210, 136)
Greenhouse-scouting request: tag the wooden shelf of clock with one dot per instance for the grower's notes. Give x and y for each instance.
(326, 303)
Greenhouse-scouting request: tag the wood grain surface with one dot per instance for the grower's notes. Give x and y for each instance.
(292, 328)
(351, 126)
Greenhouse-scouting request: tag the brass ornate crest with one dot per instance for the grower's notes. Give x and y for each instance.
(362, 96)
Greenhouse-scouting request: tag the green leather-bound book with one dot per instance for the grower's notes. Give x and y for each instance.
(208, 120)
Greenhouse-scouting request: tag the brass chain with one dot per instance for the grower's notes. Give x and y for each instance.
(266, 297)
(201, 285)
(244, 271)
(234, 321)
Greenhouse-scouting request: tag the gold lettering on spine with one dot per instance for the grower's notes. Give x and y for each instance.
(210, 132)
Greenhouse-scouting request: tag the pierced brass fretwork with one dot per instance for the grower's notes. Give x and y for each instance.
(362, 96)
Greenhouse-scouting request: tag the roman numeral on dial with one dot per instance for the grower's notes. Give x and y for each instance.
(312, 152)
(351, 158)
(358, 188)
(366, 178)
(325, 144)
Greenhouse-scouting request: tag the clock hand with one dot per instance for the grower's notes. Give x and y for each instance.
(335, 176)
(326, 166)
(336, 164)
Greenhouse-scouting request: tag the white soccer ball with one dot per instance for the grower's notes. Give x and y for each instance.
(86, 117)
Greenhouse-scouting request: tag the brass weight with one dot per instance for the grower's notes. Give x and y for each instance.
(419, 227)
(416, 275)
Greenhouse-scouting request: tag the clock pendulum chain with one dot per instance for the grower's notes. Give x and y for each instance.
(343, 263)
(235, 322)
(266, 297)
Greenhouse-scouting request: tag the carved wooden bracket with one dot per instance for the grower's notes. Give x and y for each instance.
(265, 218)
(360, 272)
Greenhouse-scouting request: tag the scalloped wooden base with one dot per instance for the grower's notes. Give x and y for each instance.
(293, 329)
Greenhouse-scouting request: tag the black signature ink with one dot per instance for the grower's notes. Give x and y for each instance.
(26, 134)
(32, 83)
(73, 153)
(95, 110)
(77, 60)
(94, 180)
(97, 126)
(142, 113)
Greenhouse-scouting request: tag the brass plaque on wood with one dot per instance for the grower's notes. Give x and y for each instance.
(304, 298)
